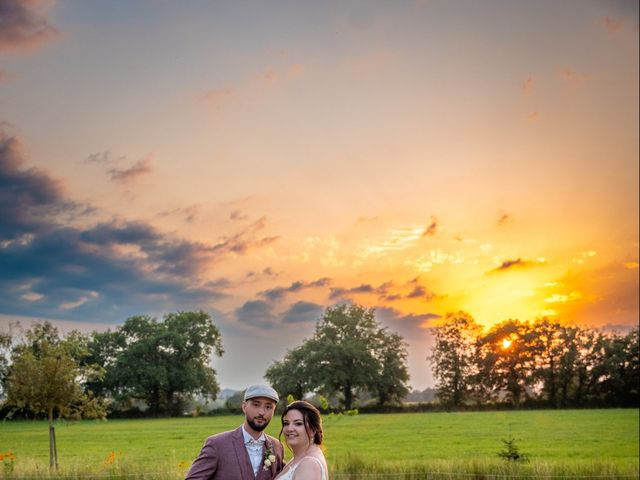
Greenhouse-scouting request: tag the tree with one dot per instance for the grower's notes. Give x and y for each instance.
(390, 385)
(162, 363)
(350, 351)
(45, 378)
(454, 358)
(291, 375)
(617, 375)
(509, 356)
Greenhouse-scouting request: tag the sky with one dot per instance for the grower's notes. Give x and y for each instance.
(263, 161)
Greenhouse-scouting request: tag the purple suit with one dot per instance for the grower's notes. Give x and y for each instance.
(225, 457)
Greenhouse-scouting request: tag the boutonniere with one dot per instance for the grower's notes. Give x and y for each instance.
(269, 457)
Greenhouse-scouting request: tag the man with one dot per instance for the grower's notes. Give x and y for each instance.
(245, 453)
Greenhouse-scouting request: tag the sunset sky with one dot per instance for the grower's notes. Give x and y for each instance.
(264, 160)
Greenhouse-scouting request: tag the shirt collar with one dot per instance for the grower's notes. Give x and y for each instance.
(247, 437)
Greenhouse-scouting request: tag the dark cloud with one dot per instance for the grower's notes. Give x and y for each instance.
(421, 292)
(102, 158)
(237, 215)
(256, 313)
(431, 230)
(342, 293)
(138, 169)
(23, 25)
(269, 272)
(408, 325)
(28, 198)
(219, 283)
(277, 293)
(387, 291)
(51, 268)
(511, 264)
(504, 219)
(303, 312)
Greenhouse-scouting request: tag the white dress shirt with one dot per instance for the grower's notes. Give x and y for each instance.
(254, 449)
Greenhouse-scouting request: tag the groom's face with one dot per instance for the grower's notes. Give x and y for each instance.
(258, 412)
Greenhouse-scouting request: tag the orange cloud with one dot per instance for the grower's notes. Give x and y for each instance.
(296, 70)
(215, 98)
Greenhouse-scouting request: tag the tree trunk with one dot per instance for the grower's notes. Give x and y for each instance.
(53, 449)
(347, 397)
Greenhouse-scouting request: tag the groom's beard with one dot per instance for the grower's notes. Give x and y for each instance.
(257, 426)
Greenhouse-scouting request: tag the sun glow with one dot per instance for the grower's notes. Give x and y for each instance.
(506, 343)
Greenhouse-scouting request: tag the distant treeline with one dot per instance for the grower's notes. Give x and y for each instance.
(151, 367)
(539, 364)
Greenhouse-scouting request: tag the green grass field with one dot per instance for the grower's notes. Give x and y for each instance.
(602, 443)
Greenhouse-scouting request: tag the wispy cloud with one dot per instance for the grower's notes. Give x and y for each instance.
(24, 25)
(218, 97)
(247, 239)
(432, 228)
(188, 213)
(140, 168)
(103, 158)
(237, 215)
(528, 86)
(242, 92)
(277, 293)
(572, 77)
(387, 291)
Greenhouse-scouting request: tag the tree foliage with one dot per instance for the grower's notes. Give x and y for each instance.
(350, 352)
(163, 363)
(290, 376)
(547, 362)
(454, 358)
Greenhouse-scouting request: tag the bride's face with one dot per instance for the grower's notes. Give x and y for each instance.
(294, 430)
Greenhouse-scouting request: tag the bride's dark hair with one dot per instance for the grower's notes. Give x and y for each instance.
(310, 416)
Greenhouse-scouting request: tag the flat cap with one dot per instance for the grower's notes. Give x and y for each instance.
(261, 391)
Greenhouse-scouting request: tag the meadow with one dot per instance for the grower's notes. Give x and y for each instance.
(558, 444)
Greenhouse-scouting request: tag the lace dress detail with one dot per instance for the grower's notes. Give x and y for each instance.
(291, 471)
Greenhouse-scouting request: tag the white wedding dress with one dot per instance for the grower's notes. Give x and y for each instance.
(291, 471)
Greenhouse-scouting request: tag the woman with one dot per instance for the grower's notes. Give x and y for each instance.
(302, 429)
